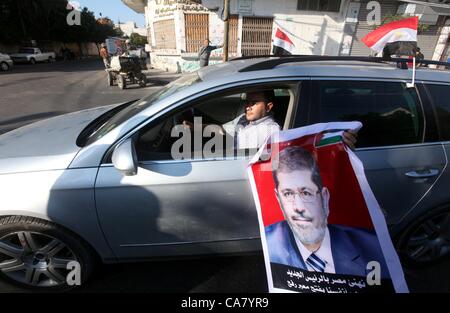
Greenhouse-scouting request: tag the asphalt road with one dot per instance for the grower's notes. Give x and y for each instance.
(30, 93)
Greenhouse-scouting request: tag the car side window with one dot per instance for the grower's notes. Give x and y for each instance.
(391, 114)
(440, 95)
(209, 128)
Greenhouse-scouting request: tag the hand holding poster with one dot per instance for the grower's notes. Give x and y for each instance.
(321, 227)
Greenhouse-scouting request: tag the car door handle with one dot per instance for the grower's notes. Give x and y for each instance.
(423, 173)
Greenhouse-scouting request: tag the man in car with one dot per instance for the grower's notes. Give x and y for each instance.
(251, 129)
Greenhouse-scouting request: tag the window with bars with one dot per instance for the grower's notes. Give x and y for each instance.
(256, 35)
(165, 34)
(233, 34)
(196, 31)
(319, 5)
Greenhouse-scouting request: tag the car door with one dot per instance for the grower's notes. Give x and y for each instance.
(400, 165)
(195, 205)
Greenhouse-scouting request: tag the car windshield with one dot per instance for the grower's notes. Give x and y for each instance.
(28, 51)
(127, 112)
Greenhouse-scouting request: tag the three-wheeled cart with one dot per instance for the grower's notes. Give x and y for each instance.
(125, 70)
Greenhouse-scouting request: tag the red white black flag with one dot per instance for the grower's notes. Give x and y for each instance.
(282, 45)
(398, 37)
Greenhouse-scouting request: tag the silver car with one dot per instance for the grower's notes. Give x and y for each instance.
(5, 62)
(102, 184)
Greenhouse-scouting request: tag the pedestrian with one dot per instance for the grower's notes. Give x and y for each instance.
(105, 56)
(205, 52)
(419, 56)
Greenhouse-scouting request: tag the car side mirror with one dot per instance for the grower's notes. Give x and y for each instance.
(124, 158)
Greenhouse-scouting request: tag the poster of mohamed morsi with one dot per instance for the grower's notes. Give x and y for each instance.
(321, 227)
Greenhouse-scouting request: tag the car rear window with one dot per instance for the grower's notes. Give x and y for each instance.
(391, 113)
(440, 95)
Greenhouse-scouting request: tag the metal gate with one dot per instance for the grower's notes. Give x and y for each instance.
(256, 36)
(233, 35)
(197, 30)
(165, 34)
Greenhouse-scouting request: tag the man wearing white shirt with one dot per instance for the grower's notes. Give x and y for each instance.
(251, 129)
(304, 239)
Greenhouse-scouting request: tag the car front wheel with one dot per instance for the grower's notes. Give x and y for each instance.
(41, 255)
(4, 66)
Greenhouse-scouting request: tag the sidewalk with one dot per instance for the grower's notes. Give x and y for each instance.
(159, 77)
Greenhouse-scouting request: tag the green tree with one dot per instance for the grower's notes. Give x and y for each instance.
(46, 20)
(137, 40)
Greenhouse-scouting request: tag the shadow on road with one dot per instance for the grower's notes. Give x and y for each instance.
(89, 64)
(241, 274)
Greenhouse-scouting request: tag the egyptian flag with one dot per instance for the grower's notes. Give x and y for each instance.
(282, 45)
(395, 38)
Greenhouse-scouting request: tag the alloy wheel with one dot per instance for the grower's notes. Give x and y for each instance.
(429, 240)
(35, 259)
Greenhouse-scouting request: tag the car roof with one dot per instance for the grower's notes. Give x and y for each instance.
(244, 69)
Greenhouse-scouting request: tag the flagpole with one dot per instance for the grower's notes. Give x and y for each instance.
(411, 85)
(226, 13)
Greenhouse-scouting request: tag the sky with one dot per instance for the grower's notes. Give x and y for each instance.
(114, 9)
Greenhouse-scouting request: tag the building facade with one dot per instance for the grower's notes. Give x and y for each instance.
(177, 28)
(130, 27)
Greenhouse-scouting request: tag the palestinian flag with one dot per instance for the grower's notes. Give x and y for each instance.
(282, 45)
(329, 139)
(398, 37)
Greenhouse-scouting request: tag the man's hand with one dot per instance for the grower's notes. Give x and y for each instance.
(349, 138)
(188, 125)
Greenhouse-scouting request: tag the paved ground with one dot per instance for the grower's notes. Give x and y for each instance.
(30, 93)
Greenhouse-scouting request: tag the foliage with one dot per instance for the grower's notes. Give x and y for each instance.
(46, 20)
(137, 40)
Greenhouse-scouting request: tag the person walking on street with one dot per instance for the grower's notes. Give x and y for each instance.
(205, 52)
(105, 56)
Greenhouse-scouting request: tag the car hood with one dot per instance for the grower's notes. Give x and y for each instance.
(45, 145)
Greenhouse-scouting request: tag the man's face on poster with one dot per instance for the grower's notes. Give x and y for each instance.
(304, 206)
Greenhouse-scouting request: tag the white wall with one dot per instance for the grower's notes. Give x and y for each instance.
(311, 32)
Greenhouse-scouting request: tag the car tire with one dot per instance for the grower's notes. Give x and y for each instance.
(33, 61)
(34, 254)
(110, 79)
(426, 240)
(143, 80)
(51, 60)
(4, 66)
(121, 82)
